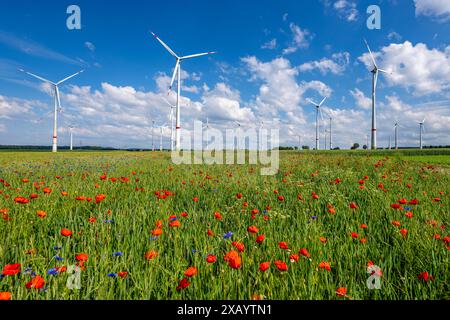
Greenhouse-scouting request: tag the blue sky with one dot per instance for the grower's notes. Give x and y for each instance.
(272, 56)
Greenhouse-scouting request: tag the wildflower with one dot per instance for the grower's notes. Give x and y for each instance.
(149, 255)
(122, 274)
(396, 223)
(252, 229)
(233, 259)
(414, 202)
(37, 283)
(53, 272)
(41, 214)
(341, 292)
(112, 275)
(304, 252)
(425, 276)
(353, 205)
(354, 235)
(210, 233)
(66, 232)
(239, 196)
(117, 254)
(264, 266)
(323, 239)
(228, 235)
(83, 257)
(404, 232)
(5, 296)
(363, 226)
(58, 258)
(409, 214)
(175, 224)
(157, 232)
(211, 258)
(283, 245)
(239, 246)
(11, 269)
(325, 265)
(260, 238)
(282, 266)
(280, 198)
(184, 283)
(217, 215)
(294, 257)
(190, 272)
(92, 219)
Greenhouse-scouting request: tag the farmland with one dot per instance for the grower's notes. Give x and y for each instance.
(139, 227)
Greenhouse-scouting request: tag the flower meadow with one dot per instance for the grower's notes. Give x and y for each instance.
(135, 226)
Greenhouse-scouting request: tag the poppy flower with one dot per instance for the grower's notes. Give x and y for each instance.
(37, 283)
(66, 232)
(210, 233)
(184, 283)
(254, 211)
(21, 200)
(217, 215)
(233, 259)
(41, 214)
(239, 196)
(260, 238)
(341, 292)
(83, 257)
(414, 202)
(190, 272)
(239, 246)
(211, 258)
(354, 235)
(323, 239)
(11, 269)
(396, 206)
(283, 245)
(325, 265)
(402, 201)
(99, 198)
(304, 252)
(280, 198)
(436, 199)
(195, 199)
(363, 240)
(149, 255)
(404, 232)
(331, 211)
(281, 265)
(363, 226)
(4, 296)
(396, 223)
(252, 229)
(157, 232)
(175, 224)
(184, 214)
(353, 205)
(47, 190)
(425, 276)
(64, 193)
(92, 219)
(264, 266)
(409, 214)
(34, 196)
(294, 257)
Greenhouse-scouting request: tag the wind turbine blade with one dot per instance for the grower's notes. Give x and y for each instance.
(385, 71)
(320, 104)
(165, 45)
(371, 55)
(70, 77)
(197, 55)
(321, 115)
(177, 66)
(38, 77)
(312, 102)
(167, 102)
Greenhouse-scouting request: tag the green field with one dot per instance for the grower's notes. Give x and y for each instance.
(303, 205)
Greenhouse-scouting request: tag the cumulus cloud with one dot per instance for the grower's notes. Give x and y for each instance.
(301, 39)
(437, 9)
(345, 9)
(361, 100)
(272, 44)
(336, 65)
(90, 46)
(415, 67)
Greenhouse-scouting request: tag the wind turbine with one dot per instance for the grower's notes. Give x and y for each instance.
(153, 141)
(206, 132)
(71, 137)
(390, 145)
(374, 72)
(396, 125)
(57, 102)
(161, 138)
(318, 106)
(238, 144)
(177, 72)
(421, 124)
(331, 134)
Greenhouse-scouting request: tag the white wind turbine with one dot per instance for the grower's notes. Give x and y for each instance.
(318, 109)
(177, 72)
(396, 125)
(422, 130)
(374, 72)
(57, 102)
(238, 135)
(71, 137)
(207, 133)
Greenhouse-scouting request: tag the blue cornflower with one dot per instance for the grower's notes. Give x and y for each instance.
(228, 235)
(173, 219)
(195, 251)
(408, 208)
(58, 258)
(314, 217)
(53, 272)
(117, 254)
(112, 275)
(27, 271)
(56, 248)
(109, 221)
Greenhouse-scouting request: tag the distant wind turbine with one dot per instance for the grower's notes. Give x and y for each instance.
(71, 137)
(57, 102)
(177, 72)
(318, 109)
(374, 72)
(422, 129)
(396, 125)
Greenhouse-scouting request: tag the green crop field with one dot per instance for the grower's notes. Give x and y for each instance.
(122, 225)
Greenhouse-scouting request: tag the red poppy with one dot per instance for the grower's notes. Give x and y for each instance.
(21, 200)
(157, 232)
(122, 274)
(363, 240)
(233, 259)
(83, 257)
(175, 224)
(425, 276)
(402, 201)
(341, 292)
(252, 229)
(211, 258)
(414, 202)
(33, 196)
(363, 226)
(37, 283)
(195, 199)
(41, 214)
(217, 215)
(92, 219)
(436, 199)
(149, 255)
(325, 265)
(304, 252)
(11, 269)
(4, 296)
(239, 246)
(239, 195)
(184, 283)
(409, 214)
(190, 272)
(396, 206)
(66, 232)
(294, 257)
(404, 232)
(354, 235)
(47, 190)
(283, 245)
(280, 198)
(99, 198)
(210, 233)
(260, 238)
(353, 205)
(323, 239)
(331, 210)
(264, 266)
(282, 266)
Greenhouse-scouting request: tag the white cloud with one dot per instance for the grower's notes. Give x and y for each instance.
(361, 100)
(347, 10)
(336, 65)
(301, 39)
(90, 46)
(15, 108)
(424, 71)
(272, 44)
(437, 9)
(394, 36)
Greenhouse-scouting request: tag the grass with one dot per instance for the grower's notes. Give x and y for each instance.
(130, 212)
